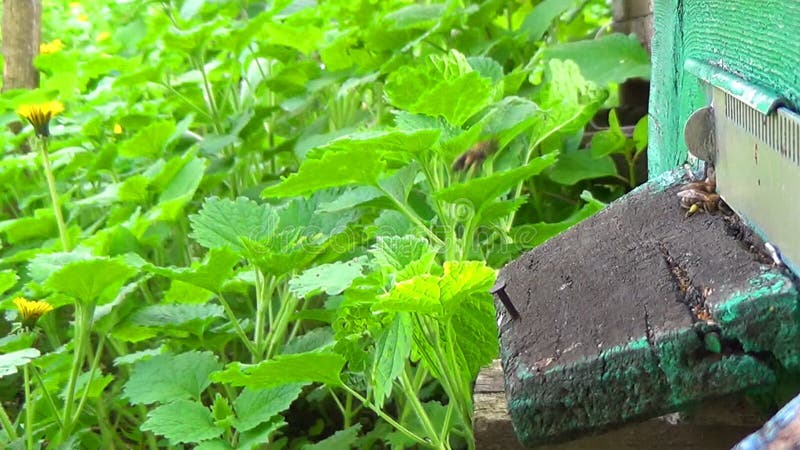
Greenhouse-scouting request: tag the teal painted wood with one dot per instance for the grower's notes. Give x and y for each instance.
(754, 40)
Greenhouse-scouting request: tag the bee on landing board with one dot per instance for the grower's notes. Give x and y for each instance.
(701, 195)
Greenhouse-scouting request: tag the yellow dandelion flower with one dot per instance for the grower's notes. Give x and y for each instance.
(103, 36)
(39, 115)
(30, 311)
(117, 128)
(51, 47)
(74, 4)
(82, 18)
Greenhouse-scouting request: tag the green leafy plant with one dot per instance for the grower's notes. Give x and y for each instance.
(248, 222)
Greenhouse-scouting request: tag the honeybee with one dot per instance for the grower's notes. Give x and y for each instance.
(701, 195)
(475, 156)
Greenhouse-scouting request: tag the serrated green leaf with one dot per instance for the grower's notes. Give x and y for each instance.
(176, 315)
(335, 168)
(541, 17)
(567, 99)
(612, 58)
(444, 85)
(253, 439)
(396, 252)
(314, 340)
(222, 412)
(45, 264)
(463, 278)
(612, 140)
(509, 117)
(580, 165)
(182, 421)
(181, 292)
(329, 278)
(487, 68)
(319, 367)
(10, 361)
(401, 145)
(211, 274)
(399, 185)
(392, 349)
(350, 199)
(91, 280)
(420, 294)
(167, 377)
(257, 406)
(341, 440)
(476, 330)
(477, 192)
(149, 142)
(222, 223)
(8, 278)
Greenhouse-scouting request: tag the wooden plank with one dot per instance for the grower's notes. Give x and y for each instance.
(638, 312)
(717, 424)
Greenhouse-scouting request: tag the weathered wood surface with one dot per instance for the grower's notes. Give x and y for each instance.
(714, 425)
(755, 40)
(638, 312)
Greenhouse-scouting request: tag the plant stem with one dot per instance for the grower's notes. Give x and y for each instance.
(413, 399)
(386, 417)
(264, 291)
(92, 370)
(277, 329)
(28, 408)
(413, 217)
(48, 396)
(236, 326)
(7, 426)
(51, 186)
(348, 410)
(83, 320)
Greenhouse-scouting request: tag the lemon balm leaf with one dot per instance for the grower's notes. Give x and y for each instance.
(222, 223)
(321, 367)
(391, 352)
(91, 280)
(182, 421)
(332, 169)
(329, 278)
(256, 406)
(149, 142)
(210, 274)
(167, 377)
(478, 192)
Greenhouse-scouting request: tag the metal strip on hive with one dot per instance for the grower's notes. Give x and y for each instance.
(758, 169)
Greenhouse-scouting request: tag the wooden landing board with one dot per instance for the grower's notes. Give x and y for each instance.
(638, 312)
(713, 425)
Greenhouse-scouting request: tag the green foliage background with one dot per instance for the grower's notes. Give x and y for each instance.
(268, 246)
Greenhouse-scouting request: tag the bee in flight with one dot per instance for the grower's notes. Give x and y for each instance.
(475, 156)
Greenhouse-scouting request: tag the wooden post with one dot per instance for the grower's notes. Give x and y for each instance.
(22, 34)
(634, 17)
